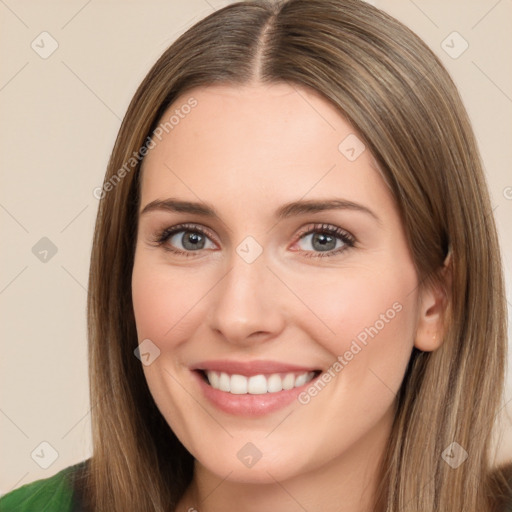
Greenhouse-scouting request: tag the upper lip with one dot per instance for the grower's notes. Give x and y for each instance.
(249, 368)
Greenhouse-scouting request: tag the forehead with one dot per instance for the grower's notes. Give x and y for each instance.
(277, 141)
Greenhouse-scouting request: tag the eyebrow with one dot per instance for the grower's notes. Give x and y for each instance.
(287, 210)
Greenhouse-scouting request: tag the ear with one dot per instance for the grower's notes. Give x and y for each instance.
(432, 313)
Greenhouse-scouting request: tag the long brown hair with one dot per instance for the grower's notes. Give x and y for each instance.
(397, 95)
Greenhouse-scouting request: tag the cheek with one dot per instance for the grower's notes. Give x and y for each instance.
(373, 319)
(367, 321)
(163, 301)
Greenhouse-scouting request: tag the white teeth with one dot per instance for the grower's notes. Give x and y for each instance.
(257, 384)
(224, 384)
(289, 381)
(215, 380)
(274, 383)
(237, 385)
(300, 380)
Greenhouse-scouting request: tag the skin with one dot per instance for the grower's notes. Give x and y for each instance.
(246, 151)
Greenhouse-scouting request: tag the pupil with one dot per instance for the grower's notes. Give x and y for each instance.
(193, 241)
(325, 241)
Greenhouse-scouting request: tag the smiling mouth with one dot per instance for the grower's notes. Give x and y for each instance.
(257, 384)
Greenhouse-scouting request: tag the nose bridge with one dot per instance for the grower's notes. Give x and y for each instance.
(244, 303)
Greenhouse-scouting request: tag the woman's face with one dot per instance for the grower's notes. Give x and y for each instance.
(293, 254)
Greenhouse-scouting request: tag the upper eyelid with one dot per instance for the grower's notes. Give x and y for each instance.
(191, 227)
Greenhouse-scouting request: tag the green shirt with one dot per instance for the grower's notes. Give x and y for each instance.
(53, 494)
(56, 494)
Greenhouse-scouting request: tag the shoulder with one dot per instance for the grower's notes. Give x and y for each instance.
(53, 494)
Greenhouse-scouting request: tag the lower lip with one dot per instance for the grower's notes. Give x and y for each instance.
(248, 404)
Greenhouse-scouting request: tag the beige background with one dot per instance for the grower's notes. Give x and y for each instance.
(60, 116)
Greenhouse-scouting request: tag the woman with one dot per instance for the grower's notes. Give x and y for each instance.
(296, 241)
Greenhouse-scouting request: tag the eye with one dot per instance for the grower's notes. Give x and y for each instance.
(316, 240)
(184, 239)
(321, 240)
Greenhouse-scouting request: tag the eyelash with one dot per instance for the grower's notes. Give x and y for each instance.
(348, 240)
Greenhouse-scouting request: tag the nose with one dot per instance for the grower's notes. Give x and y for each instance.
(246, 305)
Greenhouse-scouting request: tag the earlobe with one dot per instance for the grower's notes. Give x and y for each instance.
(432, 314)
